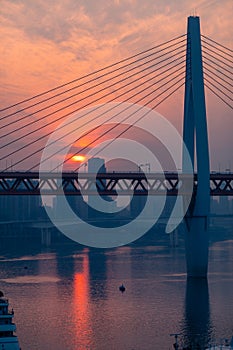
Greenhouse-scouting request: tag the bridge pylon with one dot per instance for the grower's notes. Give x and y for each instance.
(195, 137)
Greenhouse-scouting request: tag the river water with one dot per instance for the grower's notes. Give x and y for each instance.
(67, 297)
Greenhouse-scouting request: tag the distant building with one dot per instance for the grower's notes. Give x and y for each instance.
(19, 207)
(168, 207)
(214, 205)
(76, 203)
(137, 204)
(97, 165)
(231, 206)
(224, 205)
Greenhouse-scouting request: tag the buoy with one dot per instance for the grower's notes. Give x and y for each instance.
(122, 288)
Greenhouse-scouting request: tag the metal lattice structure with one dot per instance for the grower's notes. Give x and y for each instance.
(32, 183)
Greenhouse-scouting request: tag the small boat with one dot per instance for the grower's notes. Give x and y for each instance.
(122, 288)
(8, 340)
(222, 345)
(226, 345)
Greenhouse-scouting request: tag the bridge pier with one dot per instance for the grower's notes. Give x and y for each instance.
(197, 247)
(174, 238)
(195, 137)
(45, 236)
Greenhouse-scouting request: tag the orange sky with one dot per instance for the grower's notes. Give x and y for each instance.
(47, 43)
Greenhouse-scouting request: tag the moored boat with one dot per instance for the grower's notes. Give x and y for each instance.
(225, 344)
(8, 339)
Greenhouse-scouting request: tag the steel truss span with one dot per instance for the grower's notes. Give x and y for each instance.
(32, 183)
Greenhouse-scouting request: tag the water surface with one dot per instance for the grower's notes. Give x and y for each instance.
(66, 297)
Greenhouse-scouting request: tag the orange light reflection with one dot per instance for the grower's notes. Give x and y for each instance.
(82, 317)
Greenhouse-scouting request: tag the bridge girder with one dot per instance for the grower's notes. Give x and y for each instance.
(32, 183)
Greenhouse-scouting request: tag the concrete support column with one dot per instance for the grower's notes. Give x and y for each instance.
(45, 236)
(197, 247)
(195, 137)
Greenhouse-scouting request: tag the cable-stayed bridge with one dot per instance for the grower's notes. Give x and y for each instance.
(148, 78)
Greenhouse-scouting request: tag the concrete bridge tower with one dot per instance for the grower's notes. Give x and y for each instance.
(195, 137)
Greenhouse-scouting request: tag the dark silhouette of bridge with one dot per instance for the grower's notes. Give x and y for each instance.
(139, 184)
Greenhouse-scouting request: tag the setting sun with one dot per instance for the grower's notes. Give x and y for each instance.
(78, 158)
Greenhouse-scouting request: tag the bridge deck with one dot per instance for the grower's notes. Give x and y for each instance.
(33, 183)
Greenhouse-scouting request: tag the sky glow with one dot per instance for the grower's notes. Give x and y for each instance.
(45, 44)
